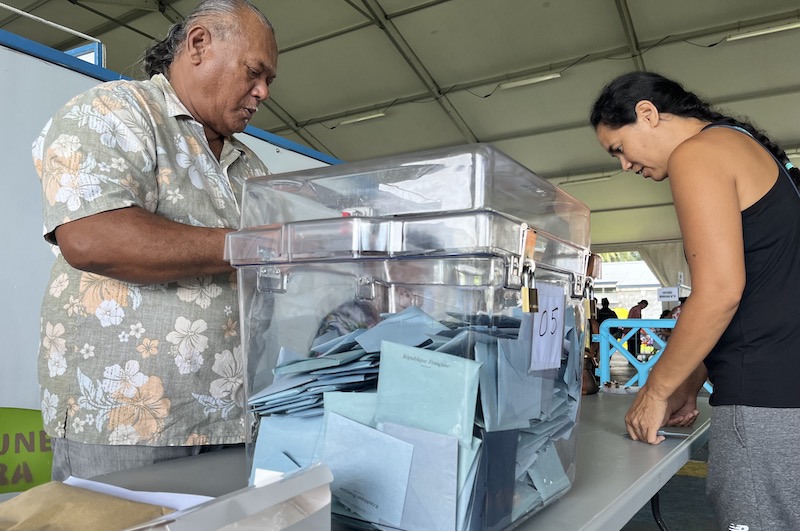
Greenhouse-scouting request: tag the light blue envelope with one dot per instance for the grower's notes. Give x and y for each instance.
(349, 367)
(528, 451)
(337, 344)
(316, 411)
(297, 438)
(332, 379)
(427, 390)
(370, 469)
(330, 335)
(287, 356)
(465, 495)
(549, 388)
(412, 327)
(284, 397)
(486, 355)
(288, 386)
(359, 407)
(342, 383)
(300, 401)
(430, 503)
(548, 474)
(467, 456)
(573, 374)
(526, 498)
(459, 344)
(312, 364)
(519, 393)
(559, 403)
(277, 462)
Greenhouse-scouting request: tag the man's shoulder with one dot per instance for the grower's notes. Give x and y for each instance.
(127, 90)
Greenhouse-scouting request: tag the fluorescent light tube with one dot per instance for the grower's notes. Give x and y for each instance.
(765, 31)
(529, 81)
(361, 118)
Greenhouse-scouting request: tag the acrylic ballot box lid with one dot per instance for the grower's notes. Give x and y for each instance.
(475, 177)
(447, 202)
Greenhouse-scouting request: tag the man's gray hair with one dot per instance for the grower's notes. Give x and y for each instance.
(221, 16)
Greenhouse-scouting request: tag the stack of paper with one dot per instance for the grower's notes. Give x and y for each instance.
(402, 402)
(299, 385)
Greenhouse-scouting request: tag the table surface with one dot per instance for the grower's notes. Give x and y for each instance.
(615, 476)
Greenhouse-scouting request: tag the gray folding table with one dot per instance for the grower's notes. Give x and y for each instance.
(615, 476)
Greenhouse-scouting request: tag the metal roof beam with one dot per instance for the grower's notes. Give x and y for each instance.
(292, 124)
(554, 67)
(630, 34)
(403, 48)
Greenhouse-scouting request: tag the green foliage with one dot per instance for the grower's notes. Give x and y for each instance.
(621, 256)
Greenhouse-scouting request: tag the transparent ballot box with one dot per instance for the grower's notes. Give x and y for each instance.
(417, 324)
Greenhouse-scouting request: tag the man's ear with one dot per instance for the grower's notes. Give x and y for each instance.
(198, 39)
(647, 112)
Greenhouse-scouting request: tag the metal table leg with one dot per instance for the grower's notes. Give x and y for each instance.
(655, 505)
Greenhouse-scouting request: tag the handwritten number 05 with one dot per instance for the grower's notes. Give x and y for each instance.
(544, 322)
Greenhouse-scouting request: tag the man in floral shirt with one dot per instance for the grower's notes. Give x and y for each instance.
(140, 359)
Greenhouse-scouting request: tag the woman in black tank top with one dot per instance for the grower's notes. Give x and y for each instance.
(735, 196)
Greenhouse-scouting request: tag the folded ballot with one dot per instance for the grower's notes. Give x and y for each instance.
(427, 390)
(393, 411)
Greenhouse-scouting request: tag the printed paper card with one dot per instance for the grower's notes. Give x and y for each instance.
(548, 327)
(427, 390)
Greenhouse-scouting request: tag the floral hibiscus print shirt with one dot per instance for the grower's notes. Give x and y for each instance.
(123, 363)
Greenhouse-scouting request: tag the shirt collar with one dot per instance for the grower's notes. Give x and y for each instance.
(173, 103)
(175, 108)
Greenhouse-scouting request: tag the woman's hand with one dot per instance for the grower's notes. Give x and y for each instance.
(647, 414)
(683, 407)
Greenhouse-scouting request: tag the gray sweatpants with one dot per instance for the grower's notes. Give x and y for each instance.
(754, 468)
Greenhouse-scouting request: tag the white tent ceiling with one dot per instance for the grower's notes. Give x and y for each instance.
(434, 68)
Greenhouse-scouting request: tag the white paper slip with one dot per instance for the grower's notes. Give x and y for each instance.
(171, 500)
(548, 327)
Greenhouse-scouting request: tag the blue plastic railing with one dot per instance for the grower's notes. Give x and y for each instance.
(609, 345)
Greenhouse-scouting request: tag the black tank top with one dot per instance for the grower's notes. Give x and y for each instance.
(756, 362)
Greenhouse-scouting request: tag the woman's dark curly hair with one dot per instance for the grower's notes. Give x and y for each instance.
(616, 107)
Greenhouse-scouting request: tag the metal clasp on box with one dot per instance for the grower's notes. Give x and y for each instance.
(365, 289)
(529, 296)
(271, 279)
(524, 258)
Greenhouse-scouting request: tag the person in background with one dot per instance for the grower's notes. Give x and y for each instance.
(140, 358)
(605, 312)
(737, 203)
(635, 342)
(664, 333)
(676, 311)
